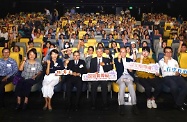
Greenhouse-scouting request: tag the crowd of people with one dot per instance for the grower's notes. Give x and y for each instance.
(108, 42)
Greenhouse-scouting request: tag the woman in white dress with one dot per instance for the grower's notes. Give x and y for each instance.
(51, 78)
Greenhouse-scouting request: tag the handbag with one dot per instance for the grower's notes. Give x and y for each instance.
(17, 78)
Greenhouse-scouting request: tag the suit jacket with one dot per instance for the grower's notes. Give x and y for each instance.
(79, 68)
(120, 67)
(93, 65)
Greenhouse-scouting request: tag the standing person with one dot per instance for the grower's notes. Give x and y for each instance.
(48, 14)
(99, 64)
(56, 15)
(51, 79)
(149, 80)
(31, 72)
(125, 79)
(78, 68)
(173, 80)
(8, 68)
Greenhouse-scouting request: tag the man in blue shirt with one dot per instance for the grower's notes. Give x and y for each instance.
(8, 68)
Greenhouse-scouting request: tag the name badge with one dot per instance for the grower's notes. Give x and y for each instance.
(33, 68)
(8, 65)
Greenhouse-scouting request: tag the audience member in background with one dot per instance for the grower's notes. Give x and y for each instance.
(78, 68)
(110, 38)
(30, 45)
(31, 73)
(67, 45)
(100, 45)
(17, 49)
(109, 54)
(4, 38)
(61, 41)
(114, 47)
(103, 33)
(182, 49)
(47, 56)
(134, 48)
(8, 68)
(47, 47)
(67, 54)
(177, 85)
(81, 46)
(88, 56)
(130, 54)
(148, 80)
(51, 79)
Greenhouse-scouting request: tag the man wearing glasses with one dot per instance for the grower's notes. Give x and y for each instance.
(173, 80)
(78, 67)
(8, 67)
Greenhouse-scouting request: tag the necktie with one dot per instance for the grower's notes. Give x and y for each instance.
(98, 66)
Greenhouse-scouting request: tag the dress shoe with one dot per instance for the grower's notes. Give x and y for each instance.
(50, 109)
(121, 110)
(44, 108)
(180, 108)
(76, 107)
(24, 106)
(185, 105)
(135, 110)
(17, 106)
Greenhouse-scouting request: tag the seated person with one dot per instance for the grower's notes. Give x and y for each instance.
(177, 85)
(133, 48)
(31, 71)
(114, 47)
(130, 54)
(81, 46)
(51, 79)
(78, 68)
(148, 80)
(109, 54)
(17, 49)
(47, 47)
(88, 56)
(30, 45)
(182, 48)
(100, 45)
(8, 68)
(125, 79)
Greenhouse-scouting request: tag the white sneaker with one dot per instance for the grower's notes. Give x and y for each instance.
(149, 104)
(154, 105)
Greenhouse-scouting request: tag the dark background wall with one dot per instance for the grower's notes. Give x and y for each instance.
(171, 7)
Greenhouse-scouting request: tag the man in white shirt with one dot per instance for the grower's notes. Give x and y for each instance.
(173, 80)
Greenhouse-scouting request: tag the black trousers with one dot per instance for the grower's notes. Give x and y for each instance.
(23, 87)
(70, 83)
(148, 84)
(178, 87)
(104, 90)
(2, 87)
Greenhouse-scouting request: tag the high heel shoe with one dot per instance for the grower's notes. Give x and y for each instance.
(24, 106)
(44, 108)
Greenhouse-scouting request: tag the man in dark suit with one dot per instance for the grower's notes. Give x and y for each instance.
(125, 79)
(78, 67)
(99, 64)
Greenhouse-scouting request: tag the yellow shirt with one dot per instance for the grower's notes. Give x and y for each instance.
(142, 74)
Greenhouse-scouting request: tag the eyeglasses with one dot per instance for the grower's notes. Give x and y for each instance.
(76, 55)
(6, 52)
